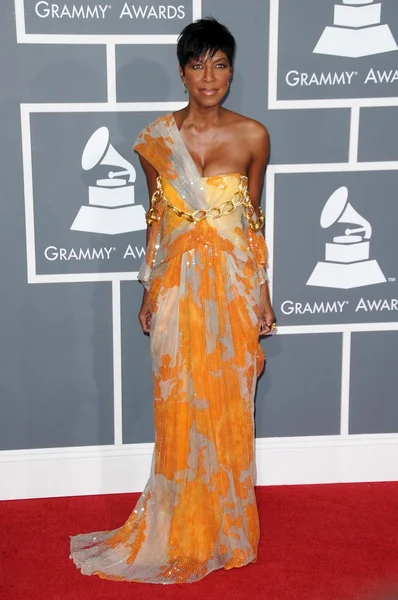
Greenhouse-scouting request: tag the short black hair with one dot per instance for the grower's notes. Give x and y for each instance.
(205, 37)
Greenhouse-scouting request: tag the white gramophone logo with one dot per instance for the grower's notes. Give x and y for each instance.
(347, 264)
(357, 31)
(111, 208)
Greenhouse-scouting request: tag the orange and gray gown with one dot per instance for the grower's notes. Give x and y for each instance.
(198, 510)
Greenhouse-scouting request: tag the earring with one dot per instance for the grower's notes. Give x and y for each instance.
(185, 87)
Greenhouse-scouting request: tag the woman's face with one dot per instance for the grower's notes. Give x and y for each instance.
(207, 79)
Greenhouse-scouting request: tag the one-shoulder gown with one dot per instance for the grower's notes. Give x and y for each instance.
(198, 510)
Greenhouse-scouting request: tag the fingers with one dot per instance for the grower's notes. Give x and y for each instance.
(145, 322)
(145, 328)
(266, 327)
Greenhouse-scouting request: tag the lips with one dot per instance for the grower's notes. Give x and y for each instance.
(208, 92)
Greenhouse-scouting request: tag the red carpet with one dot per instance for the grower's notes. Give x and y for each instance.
(324, 542)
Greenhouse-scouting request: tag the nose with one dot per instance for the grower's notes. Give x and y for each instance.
(208, 73)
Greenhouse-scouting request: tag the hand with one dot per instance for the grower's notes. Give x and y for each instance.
(145, 315)
(266, 313)
(267, 321)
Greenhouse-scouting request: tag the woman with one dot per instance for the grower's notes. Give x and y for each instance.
(205, 303)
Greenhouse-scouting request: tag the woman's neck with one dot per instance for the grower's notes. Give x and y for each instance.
(202, 117)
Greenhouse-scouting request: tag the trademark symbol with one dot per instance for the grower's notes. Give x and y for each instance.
(391, 279)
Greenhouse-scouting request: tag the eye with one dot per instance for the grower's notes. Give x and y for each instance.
(196, 66)
(221, 66)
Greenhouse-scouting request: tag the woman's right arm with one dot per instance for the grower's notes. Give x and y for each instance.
(145, 313)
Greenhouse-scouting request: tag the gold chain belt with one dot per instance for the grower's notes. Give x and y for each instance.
(240, 198)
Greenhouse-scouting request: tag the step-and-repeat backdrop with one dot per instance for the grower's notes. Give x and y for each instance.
(79, 81)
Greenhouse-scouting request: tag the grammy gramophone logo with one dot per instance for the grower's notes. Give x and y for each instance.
(357, 31)
(111, 209)
(347, 264)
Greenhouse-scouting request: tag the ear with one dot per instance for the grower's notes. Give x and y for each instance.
(182, 73)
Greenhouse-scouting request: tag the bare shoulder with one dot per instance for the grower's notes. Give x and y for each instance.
(251, 128)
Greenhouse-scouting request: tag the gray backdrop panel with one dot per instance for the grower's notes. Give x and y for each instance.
(328, 142)
(56, 370)
(47, 73)
(118, 18)
(301, 26)
(148, 74)
(378, 138)
(299, 392)
(374, 381)
(61, 188)
(137, 373)
(300, 245)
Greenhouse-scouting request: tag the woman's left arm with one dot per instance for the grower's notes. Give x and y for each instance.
(260, 149)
